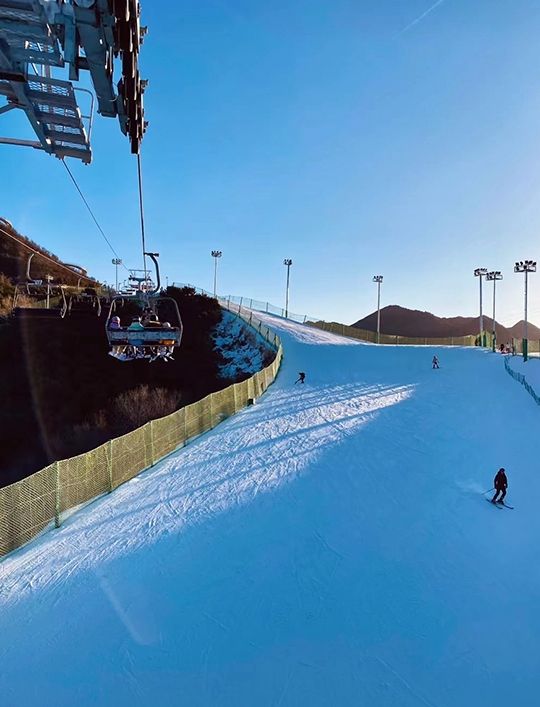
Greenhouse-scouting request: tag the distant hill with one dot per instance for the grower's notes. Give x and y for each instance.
(413, 322)
(14, 251)
(517, 330)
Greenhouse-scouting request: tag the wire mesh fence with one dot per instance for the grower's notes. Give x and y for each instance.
(523, 380)
(235, 303)
(371, 336)
(35, 503)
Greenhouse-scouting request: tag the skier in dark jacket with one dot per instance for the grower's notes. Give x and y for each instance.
(500, 482)
(435, 362)
(301, 378)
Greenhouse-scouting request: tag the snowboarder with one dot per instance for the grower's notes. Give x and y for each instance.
(500, 482)
(301, 378)
(435, 362)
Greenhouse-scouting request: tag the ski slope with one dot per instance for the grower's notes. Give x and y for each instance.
(328, 546)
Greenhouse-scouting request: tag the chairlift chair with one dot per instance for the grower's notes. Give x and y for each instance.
(151, 340)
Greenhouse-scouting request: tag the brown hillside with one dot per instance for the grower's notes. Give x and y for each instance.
(14, 251)
(413, 322)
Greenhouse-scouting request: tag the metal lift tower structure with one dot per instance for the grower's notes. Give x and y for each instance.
(38, 36)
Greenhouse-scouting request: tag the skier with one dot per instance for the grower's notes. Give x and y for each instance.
(500, 482)
(301, 378)
(435, 362)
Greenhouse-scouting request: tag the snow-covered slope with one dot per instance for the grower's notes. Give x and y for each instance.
(244, 351)
(328, 546)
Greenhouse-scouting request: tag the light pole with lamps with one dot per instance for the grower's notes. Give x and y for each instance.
(287, 262)
(525, 266)
(216, 254)
(494, 275)
(480, 273)
(378, 279)
(116, 262)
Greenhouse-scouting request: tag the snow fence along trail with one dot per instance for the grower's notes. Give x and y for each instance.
(328, 546)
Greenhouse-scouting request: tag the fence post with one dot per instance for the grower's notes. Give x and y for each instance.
(109, 464)
(152, 456)
(57, 522)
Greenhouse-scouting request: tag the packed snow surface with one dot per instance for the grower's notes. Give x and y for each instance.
(328, 546)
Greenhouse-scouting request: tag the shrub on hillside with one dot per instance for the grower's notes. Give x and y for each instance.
(6, 295)
(138, 406)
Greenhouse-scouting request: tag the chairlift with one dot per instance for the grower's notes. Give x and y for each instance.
(87, 300)
(147, 336)
(42, 290)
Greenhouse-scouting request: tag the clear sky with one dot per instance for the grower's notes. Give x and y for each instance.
(343, 134)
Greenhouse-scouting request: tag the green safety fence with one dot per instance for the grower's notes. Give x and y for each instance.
(395, 339)
(485, 340)
(31, 505)
(521, 379)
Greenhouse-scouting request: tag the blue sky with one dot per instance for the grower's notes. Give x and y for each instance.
(318, 131)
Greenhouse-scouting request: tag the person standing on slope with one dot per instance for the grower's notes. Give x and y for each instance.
(500, 482)
(301, 378)
(435, 362)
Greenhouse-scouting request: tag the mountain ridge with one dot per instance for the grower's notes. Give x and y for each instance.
(401, 321)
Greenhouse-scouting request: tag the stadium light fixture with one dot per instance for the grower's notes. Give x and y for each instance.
(525, 266)
(494, 275)
(116, 262)
(287, 262)
(216, 254)
(480, 273)
(378, 279)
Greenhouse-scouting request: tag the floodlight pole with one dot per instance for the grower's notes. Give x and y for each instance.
(216, 254)
(378, 279)
(48, 278)
(525, 266)
(287, 262)
(116, 262)
(494, 275)
(480, 273)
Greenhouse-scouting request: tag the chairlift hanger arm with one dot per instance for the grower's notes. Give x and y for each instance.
(154, 257)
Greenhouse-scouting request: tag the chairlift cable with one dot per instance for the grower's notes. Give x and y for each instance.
(92, 213)
(56, 263)
(141, 209)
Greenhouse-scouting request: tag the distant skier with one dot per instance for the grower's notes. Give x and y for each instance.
(301, 378)
(435, 362)
(500, 482)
